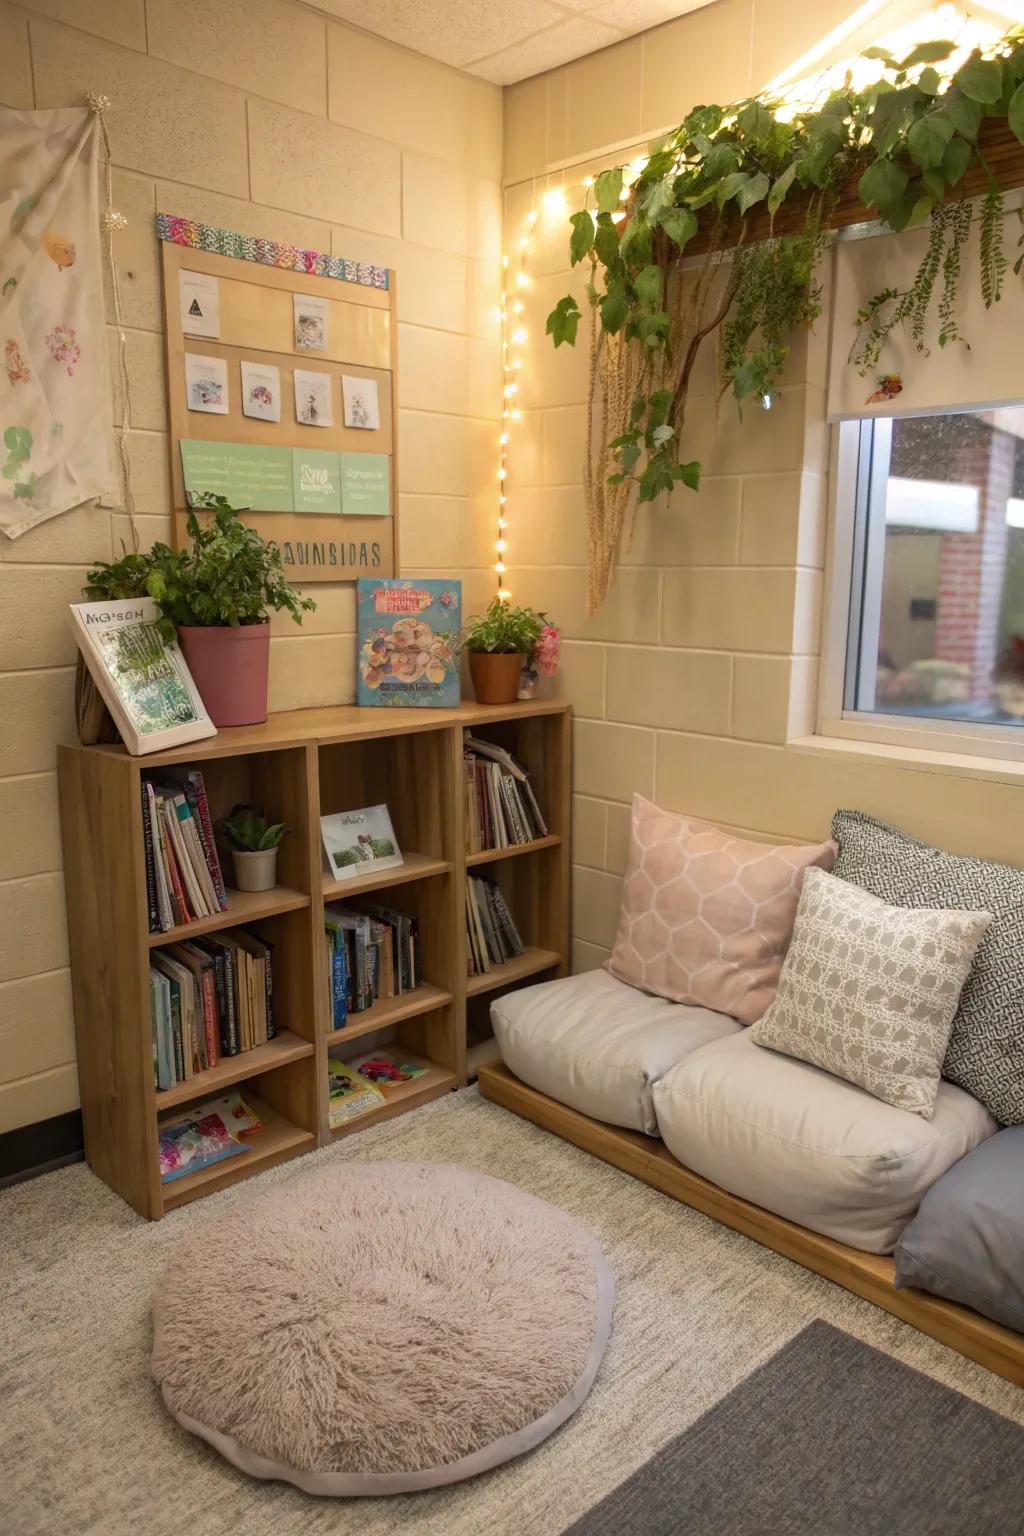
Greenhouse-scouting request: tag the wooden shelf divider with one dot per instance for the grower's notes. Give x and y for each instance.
(300, 765)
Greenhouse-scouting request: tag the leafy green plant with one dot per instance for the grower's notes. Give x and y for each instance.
(247, 831)
(905, 142)
(504, 630)
(230, 575)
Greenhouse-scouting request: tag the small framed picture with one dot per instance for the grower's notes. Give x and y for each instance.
(261, 391)
(354, 842)
(206, 384)
(312, 317)
(313, 404)
(360, 400)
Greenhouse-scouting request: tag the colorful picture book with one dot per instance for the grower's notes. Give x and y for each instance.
(491, 933)
(348, 1094)
(209, 998)
(501, 808)
(386, 1069)
(371, 954)
(141, 676)
(184, 881)
(207, 1134)
(409, 642)
(355, 842)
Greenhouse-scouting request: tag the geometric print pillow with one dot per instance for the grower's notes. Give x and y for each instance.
(985, 1055)
(706, 917)
(868, 991)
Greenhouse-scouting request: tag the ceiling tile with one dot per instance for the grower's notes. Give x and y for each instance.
(637, 15)
(454, 31)
(568, 40)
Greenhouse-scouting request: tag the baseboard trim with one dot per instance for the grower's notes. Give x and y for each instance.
(869, 1275)
(31, 1150)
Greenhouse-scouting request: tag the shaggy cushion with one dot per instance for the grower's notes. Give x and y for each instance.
(986, 1049)
(381, 1327)
(706, 917)
(869, 991)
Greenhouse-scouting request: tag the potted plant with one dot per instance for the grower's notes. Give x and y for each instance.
(216, 594)
(253, 843)
(502, 644)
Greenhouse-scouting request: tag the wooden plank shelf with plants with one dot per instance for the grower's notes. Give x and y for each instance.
(299, 766)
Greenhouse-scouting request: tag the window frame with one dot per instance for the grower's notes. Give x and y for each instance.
(847, 569)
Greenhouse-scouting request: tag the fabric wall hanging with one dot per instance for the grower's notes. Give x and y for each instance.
(55, 430)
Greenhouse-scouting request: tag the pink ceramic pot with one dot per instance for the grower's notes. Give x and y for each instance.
(230, 667)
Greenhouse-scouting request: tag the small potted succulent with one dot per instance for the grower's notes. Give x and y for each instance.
(508, 649)
(217, 595)
(253, 843)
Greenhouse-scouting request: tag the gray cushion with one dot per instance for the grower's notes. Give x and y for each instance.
(967, 1240)
(986, 1049)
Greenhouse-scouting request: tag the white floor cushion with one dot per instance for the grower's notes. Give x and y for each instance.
(809, 1146)
(598, 1045)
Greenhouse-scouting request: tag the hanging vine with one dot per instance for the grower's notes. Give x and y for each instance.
(908, 139)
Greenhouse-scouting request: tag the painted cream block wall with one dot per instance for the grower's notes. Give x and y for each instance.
(693, 681)
(266, 117)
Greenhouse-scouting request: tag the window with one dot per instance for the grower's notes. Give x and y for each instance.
(930, 517)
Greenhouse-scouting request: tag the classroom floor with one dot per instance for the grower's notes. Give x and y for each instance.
(87, 1447)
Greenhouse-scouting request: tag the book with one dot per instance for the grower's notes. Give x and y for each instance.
(501, 807)
(408, 642)
(177, 828)
(354, 842)
(492, 937)
(141, 675)
(385, 1069)
(348, 1094)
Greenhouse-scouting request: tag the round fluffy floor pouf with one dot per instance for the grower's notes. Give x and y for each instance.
(380, 1328)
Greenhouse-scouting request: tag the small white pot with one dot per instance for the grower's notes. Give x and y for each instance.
(256, 871)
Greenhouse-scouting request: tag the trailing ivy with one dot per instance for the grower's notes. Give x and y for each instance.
(908, 139)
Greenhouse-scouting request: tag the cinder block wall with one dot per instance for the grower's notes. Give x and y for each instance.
(271, 118)
(701, 670)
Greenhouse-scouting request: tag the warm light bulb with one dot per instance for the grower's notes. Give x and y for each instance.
(503, 439)
(531, 218)
(504, 261)
(519, 335)
(510, 389)
(516, 415)
(502, 500)
(554, 200)
(523, 243)
(502, 521)
(499, 566)
(522, 281)
(501, 546)
(517, 308)
(588, 181)
(502, 472)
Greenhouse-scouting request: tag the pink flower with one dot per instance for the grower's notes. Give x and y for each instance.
(547, 652)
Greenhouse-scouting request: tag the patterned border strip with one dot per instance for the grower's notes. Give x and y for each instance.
(269, 253)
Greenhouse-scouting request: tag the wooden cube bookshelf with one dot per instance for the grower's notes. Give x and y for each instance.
(300, 765)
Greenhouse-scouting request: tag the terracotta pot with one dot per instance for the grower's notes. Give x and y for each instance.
(495, 676)
(230, 667)
(256, 871)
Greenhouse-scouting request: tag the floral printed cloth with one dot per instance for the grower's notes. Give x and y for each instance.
(54, 399)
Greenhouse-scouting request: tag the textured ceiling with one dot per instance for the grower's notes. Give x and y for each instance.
(506, 40)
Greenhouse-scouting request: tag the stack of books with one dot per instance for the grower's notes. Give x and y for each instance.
(183, 874)
(501, 808)
(357, 1087)
(209, 998)
(493, 937)
(371, 954)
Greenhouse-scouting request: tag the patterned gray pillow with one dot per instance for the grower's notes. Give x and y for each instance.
(986, 1049)
(869, 991)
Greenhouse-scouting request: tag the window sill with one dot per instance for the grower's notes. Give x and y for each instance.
(919, 759)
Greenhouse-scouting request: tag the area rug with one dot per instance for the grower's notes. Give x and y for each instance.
(86, 1448)
(836, 1437)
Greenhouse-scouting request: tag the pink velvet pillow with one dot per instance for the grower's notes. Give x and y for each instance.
(707, 918)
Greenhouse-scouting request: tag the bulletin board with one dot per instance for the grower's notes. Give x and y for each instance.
(284, 472)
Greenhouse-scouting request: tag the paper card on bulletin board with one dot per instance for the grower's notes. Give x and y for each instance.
(247, 475)
(316, 480)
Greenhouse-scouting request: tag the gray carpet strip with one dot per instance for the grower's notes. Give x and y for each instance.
(828, 1438)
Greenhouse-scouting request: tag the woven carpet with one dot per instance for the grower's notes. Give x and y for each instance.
(87, 1447)
(836, 1437)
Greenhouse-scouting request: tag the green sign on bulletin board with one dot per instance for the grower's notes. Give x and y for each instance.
(364, 485)
(316, 480)
(246, 474)
(288, 479)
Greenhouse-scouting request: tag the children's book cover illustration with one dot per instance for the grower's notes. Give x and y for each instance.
(409, 642)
